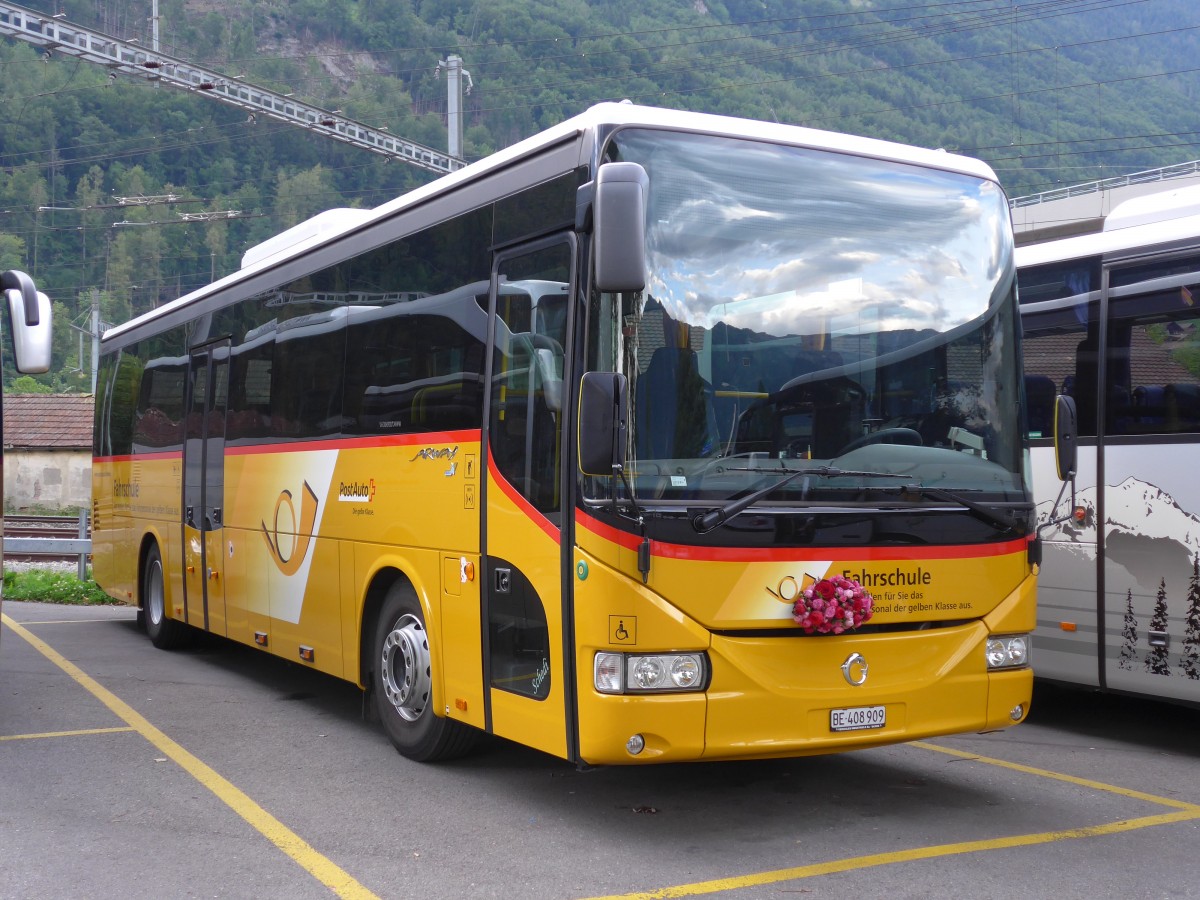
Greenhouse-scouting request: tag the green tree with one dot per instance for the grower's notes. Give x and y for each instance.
(1189, 662)
(27, 384)
(303, 195)
(1156, 659)
(1128, 635)
(12, 252)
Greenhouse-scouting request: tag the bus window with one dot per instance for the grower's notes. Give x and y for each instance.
(159, 413)
(1154, 363)
(527, 378)
(1060, 345)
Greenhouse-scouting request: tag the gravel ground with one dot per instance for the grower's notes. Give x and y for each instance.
(66, 567)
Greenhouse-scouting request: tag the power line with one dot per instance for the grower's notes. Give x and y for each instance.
(126, 57)
(983, 15)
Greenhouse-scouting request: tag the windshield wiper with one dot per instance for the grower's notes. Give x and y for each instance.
(992, 517)
(717, 516)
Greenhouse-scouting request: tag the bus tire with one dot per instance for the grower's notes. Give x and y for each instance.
(402, 681)
(165, 634)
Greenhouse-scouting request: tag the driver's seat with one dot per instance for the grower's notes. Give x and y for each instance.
(838, 410)
(674, 413)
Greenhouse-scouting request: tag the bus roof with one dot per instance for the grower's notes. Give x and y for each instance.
(333, 224)
(1147, 221)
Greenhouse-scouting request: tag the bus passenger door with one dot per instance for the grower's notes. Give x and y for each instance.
(1151, 499)
(525, 609)
(204, 487)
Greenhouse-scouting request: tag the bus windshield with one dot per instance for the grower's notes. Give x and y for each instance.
(809, 309)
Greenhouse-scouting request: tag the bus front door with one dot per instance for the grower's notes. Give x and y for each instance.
(204, 487)
(525, 602)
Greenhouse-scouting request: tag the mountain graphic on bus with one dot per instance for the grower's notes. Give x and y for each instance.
(1146, 532)
(1152, 569)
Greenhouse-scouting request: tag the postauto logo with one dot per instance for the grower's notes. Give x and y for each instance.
(289, 562)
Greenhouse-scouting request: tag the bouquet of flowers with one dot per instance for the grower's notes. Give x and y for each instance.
(832, 605)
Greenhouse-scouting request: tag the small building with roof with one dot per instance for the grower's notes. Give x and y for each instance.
(48, 451)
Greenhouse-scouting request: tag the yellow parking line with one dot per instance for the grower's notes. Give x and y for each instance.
(1187, 812)
(55, 734)
(74, 622)
(919, 853)
(320, 867)
(1058, 776)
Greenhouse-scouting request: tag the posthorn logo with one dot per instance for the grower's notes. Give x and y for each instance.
(288, 538)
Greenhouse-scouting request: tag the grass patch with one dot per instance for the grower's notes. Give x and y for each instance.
(54, 587)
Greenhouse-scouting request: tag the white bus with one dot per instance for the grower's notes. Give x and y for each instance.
(29, 327)
(1113, 320)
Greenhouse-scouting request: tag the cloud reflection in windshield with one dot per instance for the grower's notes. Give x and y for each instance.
(789, 241)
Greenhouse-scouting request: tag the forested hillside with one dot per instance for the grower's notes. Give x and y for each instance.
(1050, 93)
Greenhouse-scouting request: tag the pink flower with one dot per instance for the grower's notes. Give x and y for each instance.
(831, 606)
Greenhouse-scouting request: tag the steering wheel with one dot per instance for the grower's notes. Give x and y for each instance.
(907, 436)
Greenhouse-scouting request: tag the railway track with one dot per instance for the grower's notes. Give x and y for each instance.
(44, 528)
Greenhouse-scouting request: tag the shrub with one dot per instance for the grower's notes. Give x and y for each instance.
(53, 587)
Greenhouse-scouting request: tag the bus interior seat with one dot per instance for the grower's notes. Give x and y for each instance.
(1182, 402)
(1039, 395)
(1145, 410)
(320, 410)
(1083, 385)
(838, 417)
(675, 415)
(746, 370)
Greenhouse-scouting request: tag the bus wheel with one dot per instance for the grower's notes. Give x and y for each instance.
(403, 684)
(166, 634)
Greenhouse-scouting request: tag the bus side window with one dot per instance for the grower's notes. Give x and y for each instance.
(431, 382)
(1060, 347)
(1154, 363)
(250, 402)
(159, 413)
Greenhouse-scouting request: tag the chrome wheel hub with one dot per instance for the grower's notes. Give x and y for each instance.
(405, 668)
(154, 593)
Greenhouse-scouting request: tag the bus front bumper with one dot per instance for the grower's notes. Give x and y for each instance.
(772, 697)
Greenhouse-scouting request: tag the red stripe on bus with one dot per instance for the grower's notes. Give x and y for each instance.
(606, 531)
(465, 436)
(394, 440)
(539, 519)
(789, 554)
(128, 457)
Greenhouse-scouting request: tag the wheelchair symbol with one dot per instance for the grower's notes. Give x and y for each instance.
(622, 629)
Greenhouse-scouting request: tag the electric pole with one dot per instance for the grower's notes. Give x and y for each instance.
(455, 75)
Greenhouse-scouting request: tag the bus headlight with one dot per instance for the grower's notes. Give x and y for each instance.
(1007, 651)
(645, 673)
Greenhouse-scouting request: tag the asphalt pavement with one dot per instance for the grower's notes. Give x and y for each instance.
(219, 771)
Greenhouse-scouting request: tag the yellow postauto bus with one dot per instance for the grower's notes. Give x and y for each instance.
(655, 437)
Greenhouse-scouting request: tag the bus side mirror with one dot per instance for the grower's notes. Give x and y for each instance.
(602, 423)
(1066, 434)
(29, 312)
(619, 226)
(22, 284)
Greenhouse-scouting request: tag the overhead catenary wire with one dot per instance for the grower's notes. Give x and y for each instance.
(976, 8)
(847, 73)
(1045, 9)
